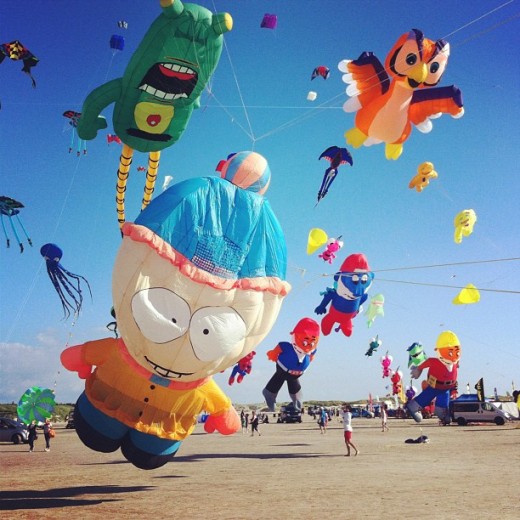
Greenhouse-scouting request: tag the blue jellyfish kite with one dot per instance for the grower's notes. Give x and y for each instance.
(10, 208)
(65, 282)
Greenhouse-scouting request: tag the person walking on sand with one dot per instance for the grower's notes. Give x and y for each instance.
(384, 417)
(323, 420)
(347, 427)
(254, 424)
(47, 427)
(243, 421)
(33, 435)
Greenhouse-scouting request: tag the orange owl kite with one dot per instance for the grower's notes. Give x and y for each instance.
(389, 99)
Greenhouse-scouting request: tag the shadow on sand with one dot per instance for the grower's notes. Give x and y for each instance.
(63, 497)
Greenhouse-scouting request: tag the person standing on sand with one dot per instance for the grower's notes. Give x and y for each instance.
(384, 417)
(47, 427)
(323, 420)
(254, 424)
(347, 427)
(33, 435)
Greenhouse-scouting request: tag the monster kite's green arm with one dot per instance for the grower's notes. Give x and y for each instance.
(91, 121)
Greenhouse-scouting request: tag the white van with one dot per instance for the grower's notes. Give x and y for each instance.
(464, 411)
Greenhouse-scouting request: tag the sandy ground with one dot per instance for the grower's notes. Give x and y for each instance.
(290, 472)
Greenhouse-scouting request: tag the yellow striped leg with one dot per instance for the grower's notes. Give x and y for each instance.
(122, 176)
(151, 176)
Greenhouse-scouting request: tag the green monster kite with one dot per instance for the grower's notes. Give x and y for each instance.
(160, 88)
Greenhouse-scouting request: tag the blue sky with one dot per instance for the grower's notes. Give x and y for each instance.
(259, 102)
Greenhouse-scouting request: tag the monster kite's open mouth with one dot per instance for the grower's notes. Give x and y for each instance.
(164, 372)
(169, 81)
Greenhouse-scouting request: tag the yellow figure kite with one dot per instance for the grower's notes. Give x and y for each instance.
(464, 222)
(425, 172)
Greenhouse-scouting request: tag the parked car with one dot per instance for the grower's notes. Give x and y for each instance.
(361, 412)
(70, 421)
(289, 414)
(468, 408)
(13, 431)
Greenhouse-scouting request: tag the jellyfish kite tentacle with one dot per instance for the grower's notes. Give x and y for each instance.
(66, 305)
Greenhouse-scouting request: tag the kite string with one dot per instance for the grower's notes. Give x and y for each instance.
(479, 18)
(328, 275)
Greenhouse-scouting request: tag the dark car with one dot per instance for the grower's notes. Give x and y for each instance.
(70, 421)
(289, 414)
(13, 431)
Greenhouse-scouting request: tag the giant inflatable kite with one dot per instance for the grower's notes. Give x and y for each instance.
(351, 284)
(292, 359)
(390, 99)
(160, 88)
(195, 289)
(442, 378)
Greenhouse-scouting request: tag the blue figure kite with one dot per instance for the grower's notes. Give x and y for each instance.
(351, 284)
(336, 156)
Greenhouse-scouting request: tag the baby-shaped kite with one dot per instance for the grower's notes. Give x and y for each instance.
(386, 362)
(194, 291)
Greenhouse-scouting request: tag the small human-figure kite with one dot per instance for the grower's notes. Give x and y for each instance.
(351, 284)
(322, 71)
(292, 359)
(410, 392)
(242, 368)
(464, 223)
(386, 362)
(396, 378)
(416, 354)
(81, 146)
(389, 99)
(336, 156)
(333, 246)
(16, 51)
(64, 281)
(375, 308)
(442, 378)
(10, 208)
(160, 88)
(425, 172)
(374, 344)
